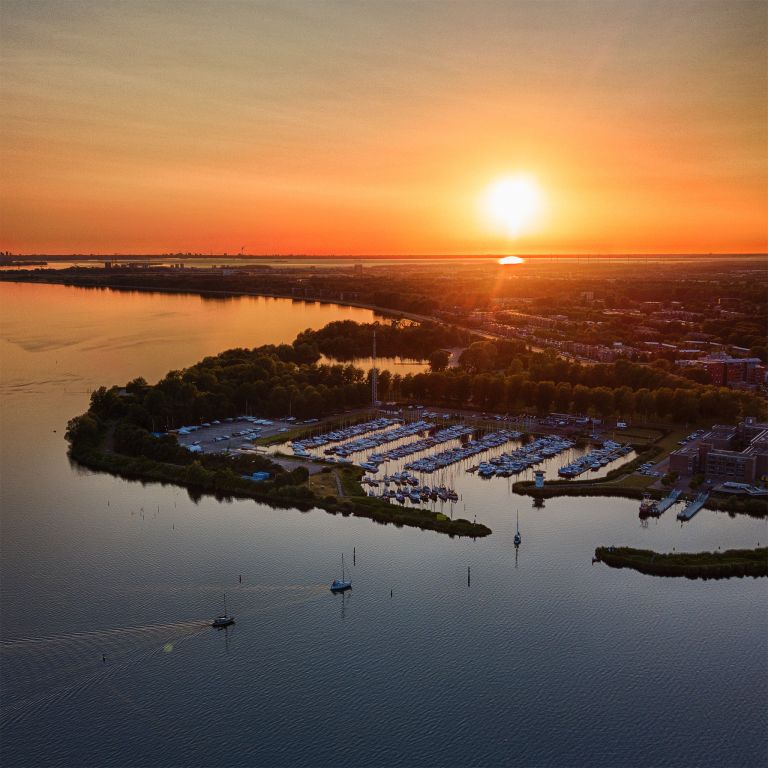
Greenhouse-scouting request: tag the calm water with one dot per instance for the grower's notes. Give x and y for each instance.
(544, 660)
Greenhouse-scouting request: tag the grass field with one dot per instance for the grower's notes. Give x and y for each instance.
(324, 484)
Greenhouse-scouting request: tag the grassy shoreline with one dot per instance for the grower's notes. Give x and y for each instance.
(228, 485)
(699, 565)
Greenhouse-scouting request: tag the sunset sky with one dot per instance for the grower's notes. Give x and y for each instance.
(377, 127)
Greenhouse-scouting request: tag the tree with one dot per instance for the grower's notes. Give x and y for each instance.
(581, 398)
(624, 400)
(197, 475)
(602, 400)
(545, 394)
(563, 396)
(439, 359)
(82, 430)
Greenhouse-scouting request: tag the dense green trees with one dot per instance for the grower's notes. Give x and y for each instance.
(513, 393)
(502, 376)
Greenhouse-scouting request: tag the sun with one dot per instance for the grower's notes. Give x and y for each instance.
(513, 203)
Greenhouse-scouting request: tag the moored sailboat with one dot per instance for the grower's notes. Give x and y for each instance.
(340, 585)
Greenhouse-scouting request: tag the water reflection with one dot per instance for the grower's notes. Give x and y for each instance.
(422, 665)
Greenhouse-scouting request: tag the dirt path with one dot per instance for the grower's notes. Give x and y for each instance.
(339, 486)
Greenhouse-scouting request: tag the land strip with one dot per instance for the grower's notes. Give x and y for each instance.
(699, 565)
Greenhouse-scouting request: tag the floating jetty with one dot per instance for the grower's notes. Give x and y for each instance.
(668, 501)
(693, 507)
(650, 508)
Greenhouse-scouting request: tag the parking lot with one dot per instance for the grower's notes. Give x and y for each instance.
(231, 434)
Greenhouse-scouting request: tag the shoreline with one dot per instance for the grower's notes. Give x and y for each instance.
(219, 485)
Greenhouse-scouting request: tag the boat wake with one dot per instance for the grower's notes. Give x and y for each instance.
(38, 671)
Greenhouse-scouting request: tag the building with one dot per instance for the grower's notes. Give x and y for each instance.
(736, 454)
(726, 371)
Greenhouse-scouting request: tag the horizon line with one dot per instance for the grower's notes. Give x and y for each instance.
(200, 255)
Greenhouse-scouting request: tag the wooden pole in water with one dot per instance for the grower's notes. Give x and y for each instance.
(468, 576)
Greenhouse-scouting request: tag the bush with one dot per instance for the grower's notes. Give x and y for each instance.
(670, 478)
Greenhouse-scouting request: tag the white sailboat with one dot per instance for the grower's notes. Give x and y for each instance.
(340, 585)
(224, 619)
(518, 538)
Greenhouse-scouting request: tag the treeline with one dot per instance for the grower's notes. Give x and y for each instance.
(264, 381)
(505, 376)
(347, 340)
(502, 376)
(511, 393)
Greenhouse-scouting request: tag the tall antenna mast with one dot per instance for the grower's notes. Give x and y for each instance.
(374, 376)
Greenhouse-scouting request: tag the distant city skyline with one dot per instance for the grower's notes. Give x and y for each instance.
(329, 128)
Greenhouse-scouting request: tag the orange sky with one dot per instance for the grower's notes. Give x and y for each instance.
(361, 128)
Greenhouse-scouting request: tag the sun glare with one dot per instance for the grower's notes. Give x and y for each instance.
(513, 203)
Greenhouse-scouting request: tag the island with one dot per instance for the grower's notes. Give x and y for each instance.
(698, 565)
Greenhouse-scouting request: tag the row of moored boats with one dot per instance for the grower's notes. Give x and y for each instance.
(455, 432)
(594, 460)
(337, 435)
(374, 441)
(525, 457)
(472, 448)
(408, 488)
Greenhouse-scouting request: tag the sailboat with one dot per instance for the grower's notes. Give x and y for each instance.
(518, 539)
(340, 585)
(223, 620)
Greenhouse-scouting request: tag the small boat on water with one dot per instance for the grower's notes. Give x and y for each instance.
(224, 620)
(340, 585)
(518, 538)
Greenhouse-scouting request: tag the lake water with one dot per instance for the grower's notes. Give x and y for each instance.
(542, 660)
